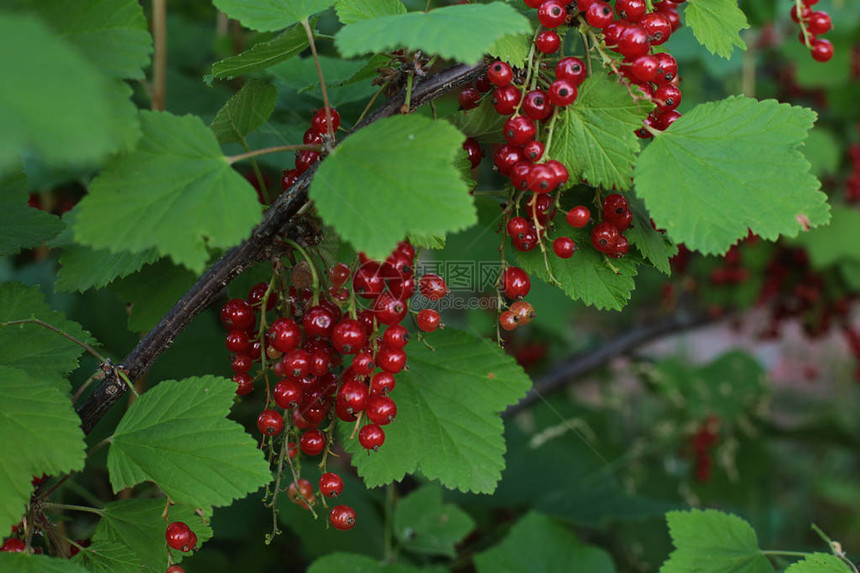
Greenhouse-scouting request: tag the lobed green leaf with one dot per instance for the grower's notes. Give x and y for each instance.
(269, 15)
(717, 25)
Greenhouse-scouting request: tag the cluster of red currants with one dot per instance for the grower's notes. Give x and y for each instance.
(309, 339)
(813, 23)
(324, 125)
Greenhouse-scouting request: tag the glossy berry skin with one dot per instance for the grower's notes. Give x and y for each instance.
(320, 120)
(562, 92)
(353, 396)
(541, 179)
(819, 23)
(822, 50)
(551, 14)
(537, 106)
(338, 274)
(515, 282)
(506, 157)
(614, 204)
(523, 311)
(564, 247)
(389, 310)
(578, 217)
(668, 96)
(244, 384)
(520, 175)
(559, 171)
(631, 10)
(519, 130)
(241, 363)
(319, 321)
(658, 27)
(312, 137)
(289, 177)
(604, 236)
(469, 98)
(285, 335)
(175, 569)
(237, 341)
(391, 359)
(500, 74)
(331, 484)
(13, 545)
(644, 68)
(305, 159)
(517, 226)
(432, 286)
(547, 42)
(473, 150)
(621, 248)
(508, 320)
(667, 68)
(371, 437)
(599, 15)
(287, 394)
(612, 32)
(256, 294)
(634, 42)
(382, 383)
(270, 423)
(301, 493)
(381, 410)
(348, 336)
(534, 150)
(312, 442)
(506, 99)
(428, 320)
(395, 336)
(342, 517)
(180, 537)
(238, 314)
(572, 69)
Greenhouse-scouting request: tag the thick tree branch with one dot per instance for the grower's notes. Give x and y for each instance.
(577, 366)
(262, 244)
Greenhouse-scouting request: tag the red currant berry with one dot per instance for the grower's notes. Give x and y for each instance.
(389, 310)
(353, 396)
(297, 363)
(559, 171)
(604, 236)
(237, 341)
(342, 517)
(534, 150)
(541, 178)
(578, 217)
(515, 282)
(523, 311)
(287, 394)
(285, 335)
(599, 15)
(547, 42)
(338, 274)
(519, 130)
(319, 321)
(506, 157)
(621, 222)
(238, 314)
(634, 42)
(312, 442)
(517, 226)
(175, 569)
(667, 68)
(382, 383)
(391, 359)
(822, 50)
(483, 84)
(562, 92)
(621, 247)
(312, 137)
(668, 97)
(331, 484)
(804, 14)
(819, 23)
(305, 159)
(321, 120)
(432, 286)
(520, 175)
(506, 99)
(395, 336)
(301, 493)
(564, 247)
(469, 98)
(631, 10)
(473, 150)
(572, 69)
(614, 204)
(241, 363)
(270, 423)
(179, 536)
(368, 281)
(13, 545)
(551, 13)
(428, 320)
(256, 294)
(612, 32)
(381, 410)
(500, 73)
(348, 336)
(508, 320)
(644, 68)
(289, 177)
(537, 106)
(244, 384)
(371, 437)
(658, 26)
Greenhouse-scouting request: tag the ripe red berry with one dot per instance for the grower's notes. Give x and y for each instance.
(238, 314)
(500, 73)
(578, 217)
(537, 106)
(285, 335)
(13, 545)
(506, 157)
(428, 320)
(819, 23)
(562, 92)
(312, 442)
(179, 536)
(348, 336)
(175, 569)
(667, 68)
(382, 383)
(523, 311)
(508, 320)
(395, 336)
(469, 98)
(342, 517)
(305, 159)
(319, 321)
(804, 14)
(644, 68)
(599, 14)
(551, 13)
(658, 26)
(244, 384)
(634, 42)
(822, 50)
(506, 99)
(614, 204)
(483, 84)
(301, 493)
(519, 130)
(270, 423)
(541, 178)
(352, 396)
(237, 341)
(338, 274)
(572, 69)
(559, 170)
(389, 309)
(668, 96)
(631, 10)
(312, 137)
(612, 32)
(534, 150)
(473, 150)
(515, 282)
(604, 236)
(320, 121)
(371, 437)
(256, 294)
(391, 359)
(287, 394)
(621, 247)
(331, 484)
(547, 42)
(432, 286)
(241, 363)
(621, 222)
(564, 247)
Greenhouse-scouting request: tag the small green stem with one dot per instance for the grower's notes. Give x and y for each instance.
(276, 149)
(371, 102)
(408, 103)
(53, 328)
(68, 507)
(306, 25)
(314, 275)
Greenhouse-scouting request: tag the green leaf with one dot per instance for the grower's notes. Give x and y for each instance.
(423, 524)
(717, 24)
(823, 151)
(355, 563)
(110, 34)
(176, 192)
(109, 557)
(32, 348)
(301, 75)
(138, 526)
(152, 292)
(462, 32)
(730, 166)
(30, 405)
(26, 563)
(831, 243)
(850, 273)
(284, 46)
(401, 166)
(177, 435)
(588, 275)
(22, 226)
(513, 49)
(729, 386)
(352, 11)
(482, 123)
(85, 268)
(819, 563)
(246, 111)
(654, 246)
(429, 241)
(52, 112)
(595, 138)
(711, 541)
(460, 442)
(539, 544)
(269, 15)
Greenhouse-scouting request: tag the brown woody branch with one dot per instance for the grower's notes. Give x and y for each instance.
(262, 244)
